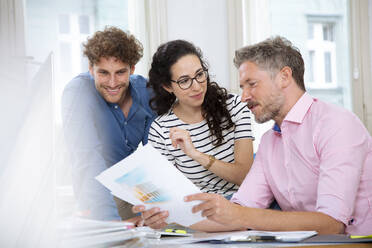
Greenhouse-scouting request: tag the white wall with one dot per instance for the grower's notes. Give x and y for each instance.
(205, 24)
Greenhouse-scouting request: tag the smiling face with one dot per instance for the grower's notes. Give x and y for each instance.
(111, 78)
(260, 92)
(187, 66)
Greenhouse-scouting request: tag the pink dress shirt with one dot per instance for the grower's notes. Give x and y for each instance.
(320, 160)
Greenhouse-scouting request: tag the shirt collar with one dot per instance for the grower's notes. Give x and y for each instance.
(299, 110)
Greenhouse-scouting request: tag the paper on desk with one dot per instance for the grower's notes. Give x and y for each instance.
(290, 236)
(146, 177)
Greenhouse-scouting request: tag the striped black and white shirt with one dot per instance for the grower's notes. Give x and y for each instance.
(201, 138)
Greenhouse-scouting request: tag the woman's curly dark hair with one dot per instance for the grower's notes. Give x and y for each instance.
(214, 107)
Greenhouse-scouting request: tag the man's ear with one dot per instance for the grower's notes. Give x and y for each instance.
(132, 68)
(285, 76)
(167, 88)
(90, 69)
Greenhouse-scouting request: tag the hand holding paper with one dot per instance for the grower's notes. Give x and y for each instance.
(153, 217)
(148, 178)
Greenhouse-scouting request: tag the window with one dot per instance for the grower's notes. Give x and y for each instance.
(84, 26)
(328, 30)
(327, 67)
(83, 60)
(311, 66)
(65, 60)
(69, 56)
(322, 56)
(64, 24)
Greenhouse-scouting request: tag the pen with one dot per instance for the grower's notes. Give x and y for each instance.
(254, 238)
(175, 231)
(361, 236)
(263, 238)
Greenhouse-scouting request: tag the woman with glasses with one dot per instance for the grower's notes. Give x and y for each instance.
(205, 132)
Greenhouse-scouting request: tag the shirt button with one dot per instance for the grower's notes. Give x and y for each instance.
(116, 106)
(126, 141)
(125, 123)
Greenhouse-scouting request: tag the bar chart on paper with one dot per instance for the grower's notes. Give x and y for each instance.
(145, 191)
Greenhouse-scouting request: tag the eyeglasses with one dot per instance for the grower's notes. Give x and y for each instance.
(186, 82)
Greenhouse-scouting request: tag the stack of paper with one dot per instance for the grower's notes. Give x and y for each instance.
(77, 232)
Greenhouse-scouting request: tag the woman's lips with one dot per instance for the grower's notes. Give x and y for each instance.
(198, 96)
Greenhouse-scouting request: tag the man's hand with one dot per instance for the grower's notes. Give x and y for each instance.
(215, 207)
(153, 217)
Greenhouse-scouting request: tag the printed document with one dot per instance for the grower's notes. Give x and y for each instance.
(147, 178)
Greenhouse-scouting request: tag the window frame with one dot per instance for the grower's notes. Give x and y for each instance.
(320, 47)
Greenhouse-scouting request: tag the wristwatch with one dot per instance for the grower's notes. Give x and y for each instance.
(211, 161)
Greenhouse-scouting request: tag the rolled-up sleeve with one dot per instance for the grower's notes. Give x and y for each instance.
(255, 191)
(343, 152)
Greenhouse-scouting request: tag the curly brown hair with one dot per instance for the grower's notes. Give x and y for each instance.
(113, 42)
(214, 106)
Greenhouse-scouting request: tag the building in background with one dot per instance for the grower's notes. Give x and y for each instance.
(320, 30)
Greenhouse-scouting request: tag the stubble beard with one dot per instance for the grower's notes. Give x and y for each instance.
(271, 109)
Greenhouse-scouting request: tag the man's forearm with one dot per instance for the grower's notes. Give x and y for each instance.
(273, 220)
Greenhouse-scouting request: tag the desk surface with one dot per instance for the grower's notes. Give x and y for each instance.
(205, 245)
(353, 245)
(324, 241)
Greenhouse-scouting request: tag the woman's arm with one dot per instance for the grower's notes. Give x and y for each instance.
(232, 172)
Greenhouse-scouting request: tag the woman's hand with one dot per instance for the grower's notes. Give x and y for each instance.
(181, 138)
(153, 217)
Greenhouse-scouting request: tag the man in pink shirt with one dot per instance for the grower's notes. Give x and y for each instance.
(316, 162)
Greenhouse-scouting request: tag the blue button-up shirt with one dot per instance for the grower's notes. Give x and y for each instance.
(98, 136)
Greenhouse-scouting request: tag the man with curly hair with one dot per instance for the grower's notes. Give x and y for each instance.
(105, 115)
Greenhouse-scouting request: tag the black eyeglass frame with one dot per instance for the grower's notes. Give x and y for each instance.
(205, 71)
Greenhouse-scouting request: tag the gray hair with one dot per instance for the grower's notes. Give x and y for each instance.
(272, 55)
